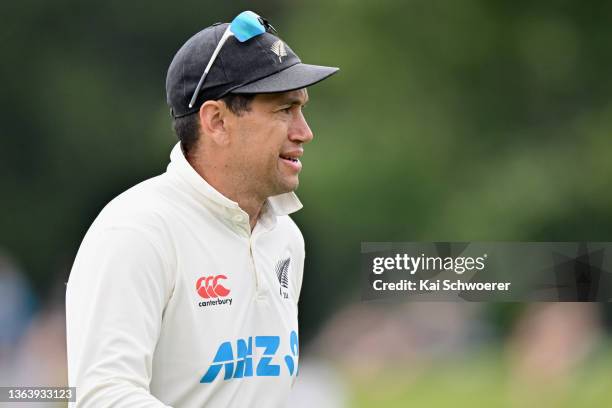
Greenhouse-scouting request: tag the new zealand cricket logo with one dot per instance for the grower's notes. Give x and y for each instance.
(279, 49)
(282, 272)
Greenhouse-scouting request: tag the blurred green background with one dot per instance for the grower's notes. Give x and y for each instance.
(450, 120)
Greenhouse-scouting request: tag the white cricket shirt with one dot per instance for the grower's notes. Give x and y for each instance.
(173, 301)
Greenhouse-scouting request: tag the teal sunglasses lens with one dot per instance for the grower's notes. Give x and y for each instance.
(247, 25)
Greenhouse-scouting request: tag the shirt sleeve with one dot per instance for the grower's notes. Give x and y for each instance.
(116, 294)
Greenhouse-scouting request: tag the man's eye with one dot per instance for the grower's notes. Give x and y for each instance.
(287, 109)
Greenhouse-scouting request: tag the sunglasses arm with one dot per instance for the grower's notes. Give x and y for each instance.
(227, 34)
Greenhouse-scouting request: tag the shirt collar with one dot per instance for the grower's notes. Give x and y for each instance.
(279, 205)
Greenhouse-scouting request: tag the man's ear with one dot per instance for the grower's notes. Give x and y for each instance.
(213, 115)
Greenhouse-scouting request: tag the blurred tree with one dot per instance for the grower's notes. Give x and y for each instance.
(472, 120)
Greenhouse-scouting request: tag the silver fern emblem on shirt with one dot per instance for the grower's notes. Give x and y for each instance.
(279, 49)
(282, 273)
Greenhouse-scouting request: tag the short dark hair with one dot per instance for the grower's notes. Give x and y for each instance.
(238, 103)
(187, 128)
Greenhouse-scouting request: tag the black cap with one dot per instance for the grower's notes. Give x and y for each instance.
(263, 64)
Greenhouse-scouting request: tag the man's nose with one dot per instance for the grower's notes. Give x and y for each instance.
(300, 131)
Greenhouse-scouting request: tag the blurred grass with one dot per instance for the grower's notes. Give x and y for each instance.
(483, 380)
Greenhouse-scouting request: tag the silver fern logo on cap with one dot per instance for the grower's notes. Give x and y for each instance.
(279, 49)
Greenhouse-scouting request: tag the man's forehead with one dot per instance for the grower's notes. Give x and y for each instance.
(299, 96)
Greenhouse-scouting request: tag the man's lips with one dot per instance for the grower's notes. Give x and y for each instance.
(292, 155)
(292, 159)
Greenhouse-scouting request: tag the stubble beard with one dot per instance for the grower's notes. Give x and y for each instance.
(279, 183)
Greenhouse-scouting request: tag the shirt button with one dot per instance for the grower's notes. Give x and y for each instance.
(238, 218)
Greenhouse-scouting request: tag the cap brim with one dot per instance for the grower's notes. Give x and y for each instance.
(295, 77)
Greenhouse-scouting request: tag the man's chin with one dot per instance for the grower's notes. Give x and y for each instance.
(288, 186)
(293, 185)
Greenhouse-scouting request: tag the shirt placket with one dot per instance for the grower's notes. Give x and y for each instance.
(242, 222)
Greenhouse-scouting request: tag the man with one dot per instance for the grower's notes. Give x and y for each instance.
(184, 291)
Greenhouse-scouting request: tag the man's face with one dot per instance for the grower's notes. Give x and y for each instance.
(267, 143)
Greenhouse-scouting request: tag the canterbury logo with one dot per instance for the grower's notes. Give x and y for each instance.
(279, 49)
(282, 272)
(209, 287)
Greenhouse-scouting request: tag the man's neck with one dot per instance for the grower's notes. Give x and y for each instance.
(247, 201)
(252, 207)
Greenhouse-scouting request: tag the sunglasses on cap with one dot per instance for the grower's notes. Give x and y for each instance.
(243, 27)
